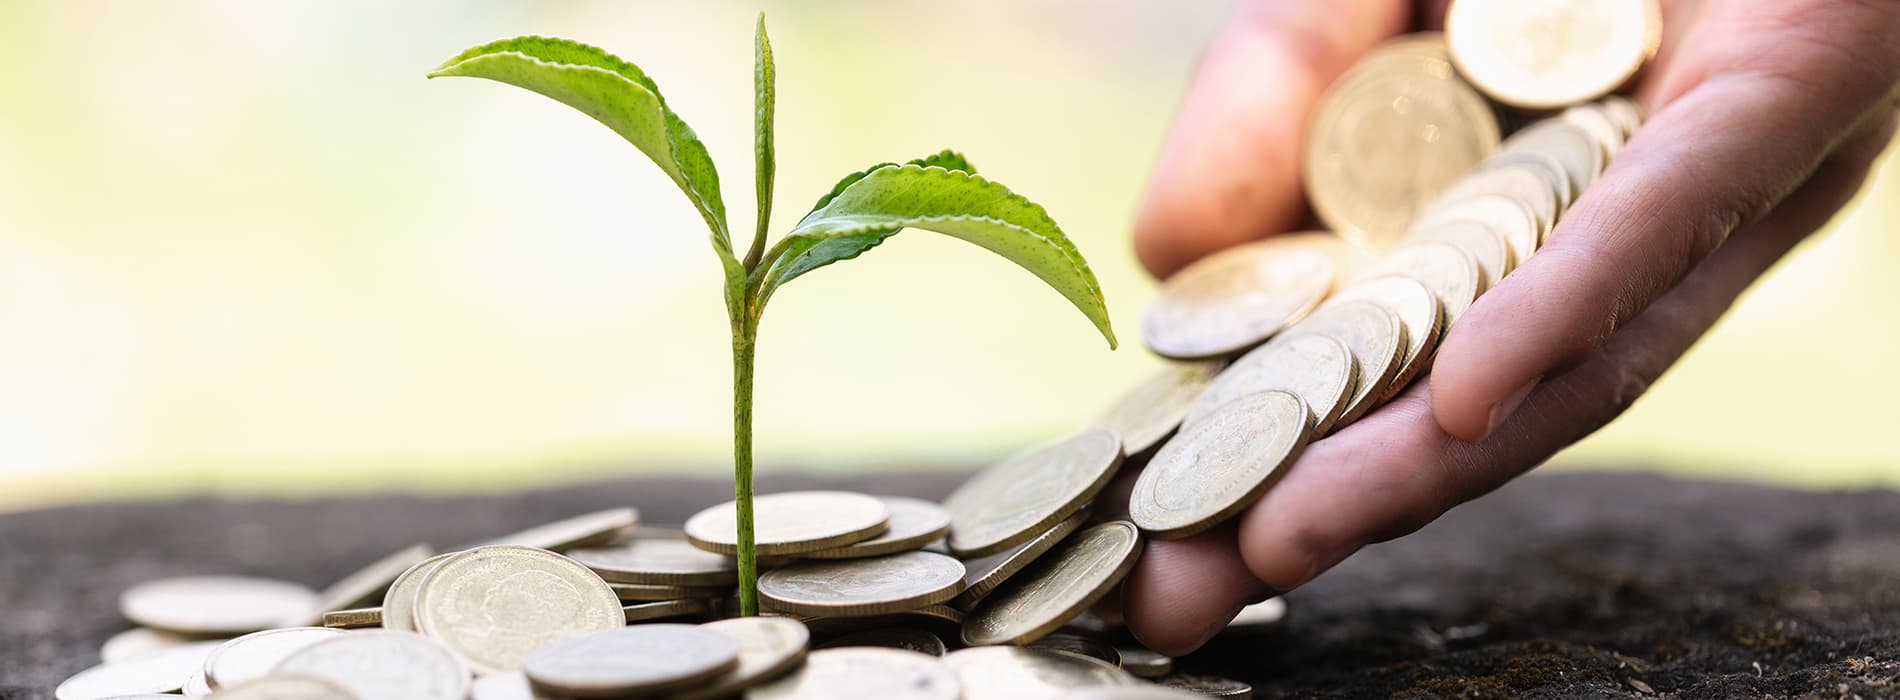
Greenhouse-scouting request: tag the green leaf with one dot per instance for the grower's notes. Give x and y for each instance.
(615, 93)
(874, 205)
(948, 160)
(765, 159)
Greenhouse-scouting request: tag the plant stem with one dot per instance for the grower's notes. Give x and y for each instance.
(744, 339)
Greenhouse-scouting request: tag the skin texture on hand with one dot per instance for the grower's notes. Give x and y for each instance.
(1765, 119)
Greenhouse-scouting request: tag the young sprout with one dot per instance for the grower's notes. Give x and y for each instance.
(939, 192)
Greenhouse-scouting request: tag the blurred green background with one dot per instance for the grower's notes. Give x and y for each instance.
(246, 247)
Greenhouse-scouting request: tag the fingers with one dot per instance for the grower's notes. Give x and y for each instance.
(1395, 470)
(1719, 156)
(1229, 171)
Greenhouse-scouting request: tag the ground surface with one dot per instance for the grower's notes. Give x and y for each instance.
(1556, 586)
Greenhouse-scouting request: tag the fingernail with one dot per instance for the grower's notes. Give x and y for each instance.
(1502, 410)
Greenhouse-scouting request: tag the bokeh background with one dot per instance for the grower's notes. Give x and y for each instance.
(246, 247)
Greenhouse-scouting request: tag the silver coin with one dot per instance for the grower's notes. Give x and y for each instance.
(1057, 587)
(914, 523)
(1220, 466)
(659, 561)
(984, 574)
(1142, 662)
(645, 659)
(1085, 645)
(769, 647)
(855, 587)
(255, 655)
(1264, 616)
(792, 523)
(666, 609)
(1208, 686)
(1010, 502)
(864, 672)
(217, 605)
(196, 686)
(492, 605)
(1319, 369)
(140, 641)
(286, 686)
(384, 665)
(906, 638)
(367, 585)
(399, 602)
(1016, 673)
(507, 685)
(585, 530)
(161, 671)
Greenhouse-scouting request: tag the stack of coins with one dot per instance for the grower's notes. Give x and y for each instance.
(1432, 199)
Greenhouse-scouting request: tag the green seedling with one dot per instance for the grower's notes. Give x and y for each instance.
(939, 192)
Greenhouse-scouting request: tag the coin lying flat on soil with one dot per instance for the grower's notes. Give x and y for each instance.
(492, 605)
(213, 605)
(793, 522)
(1551, 53)
(384, 665)
(161, 671)
(1145, 663)
(1151, 410)
(1319, 369)
(864, 673)
(255, 655)
(857, 587)
(1016, 673)
(769, 647)
(1057, 587)
(914, 523)
(1237, 298)
(1221, 465)
(641, 659)
(1208, 686)
(660, 562)
(286, 686)
(140, 641)
(1012, 501)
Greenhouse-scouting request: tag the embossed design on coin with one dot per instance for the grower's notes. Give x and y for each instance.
(769, 647)
(1150, 411)
(794, 522)
(863, 586)
(1237, 298)
(914, 523)
(1389, 135)
(645, 659)
(1320, 370)
(399, 602)
(1021, 497)
(1057, 587)
(255, 655)
(865, 672)
(1015, 673)
(1221, 465)
(984, 574)
(492, 605)
(209, 605)
(384, 665)
(1551, 53)
(659, 561)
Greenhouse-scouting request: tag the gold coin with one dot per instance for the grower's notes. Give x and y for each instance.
(1016, 673)
(1544, 166)
(217, 605)
(649, 592)
(161, 671)
(1483, 241)
(1551, 53)
(794, 522)
(1319, 370)
(1057, 587)
(857, 587)
(1388, 136)
(769, 647)
(1445, 269)
(492, 605)
(383, 665)
(906, 638)
(1235, 299)
(255, 655)
(399, 602)
(286, 686)
(140, 641)
(1520, 228)
(1219, 466)
(1377, 340)
(914, 523)
(642, 659)
(1012, 501)
(1625, 113)
(984, 574)
(1575, 149)
(586, 530)
(659, 562)
(1416, 309)
(353, 618)
(1152, 410)
(1142, 662)
(367, 585)
(1608, 135)
(864, 673)
(663, 610)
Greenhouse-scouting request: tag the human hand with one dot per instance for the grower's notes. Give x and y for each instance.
(1765, 119)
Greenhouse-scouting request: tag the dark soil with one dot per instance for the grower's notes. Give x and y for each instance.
(1556, 586)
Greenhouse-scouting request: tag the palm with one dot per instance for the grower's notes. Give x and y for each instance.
(1765, 119)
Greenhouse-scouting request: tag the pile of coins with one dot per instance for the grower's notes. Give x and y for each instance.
(989, 594)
